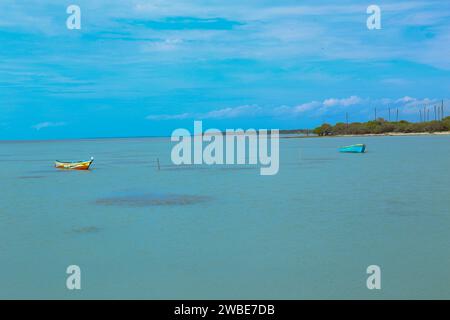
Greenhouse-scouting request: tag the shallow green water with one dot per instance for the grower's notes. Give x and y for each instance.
(226, 232)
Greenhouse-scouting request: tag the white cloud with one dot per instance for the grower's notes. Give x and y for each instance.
(346, 102)
(413, 105)
(413, 102)
(237, 112)
(169, 44)
(169, 116)
(297, 110)
(330, 106)
(405, 99)
(225, 113)
(43, 125)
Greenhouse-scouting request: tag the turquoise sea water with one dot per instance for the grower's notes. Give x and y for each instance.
(214, 232)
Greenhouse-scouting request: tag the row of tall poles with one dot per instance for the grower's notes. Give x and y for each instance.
(427, 112)
(424, 114)
(389, 114)
(376, 115)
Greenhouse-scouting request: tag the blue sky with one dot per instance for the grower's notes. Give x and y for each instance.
(147, 67)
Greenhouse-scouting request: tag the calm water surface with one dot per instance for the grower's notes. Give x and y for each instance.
(226, 232)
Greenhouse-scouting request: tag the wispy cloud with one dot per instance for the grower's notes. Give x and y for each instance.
(180, 116)
(312, 109)
(169, 44)
(342, 102)
(318, 108)
(225, 113)
(43, 125)
(230, 113)
(414, 105)
(283, 111)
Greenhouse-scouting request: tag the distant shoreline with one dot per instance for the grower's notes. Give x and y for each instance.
(392, 134)
(289, 132)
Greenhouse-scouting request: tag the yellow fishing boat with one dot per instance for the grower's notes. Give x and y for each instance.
(77, 165)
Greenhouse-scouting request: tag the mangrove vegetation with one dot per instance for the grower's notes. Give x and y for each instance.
(382, 126)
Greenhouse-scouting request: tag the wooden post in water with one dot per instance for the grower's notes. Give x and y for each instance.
(157, 162)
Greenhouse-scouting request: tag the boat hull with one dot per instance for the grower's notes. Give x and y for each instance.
(79, 165)
(356, 148)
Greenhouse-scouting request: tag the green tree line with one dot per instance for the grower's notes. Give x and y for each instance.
(381, 126)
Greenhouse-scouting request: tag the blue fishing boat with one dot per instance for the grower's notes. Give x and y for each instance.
(355, 148)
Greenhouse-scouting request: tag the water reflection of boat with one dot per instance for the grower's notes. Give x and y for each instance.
(76, 165)
(355, 148)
